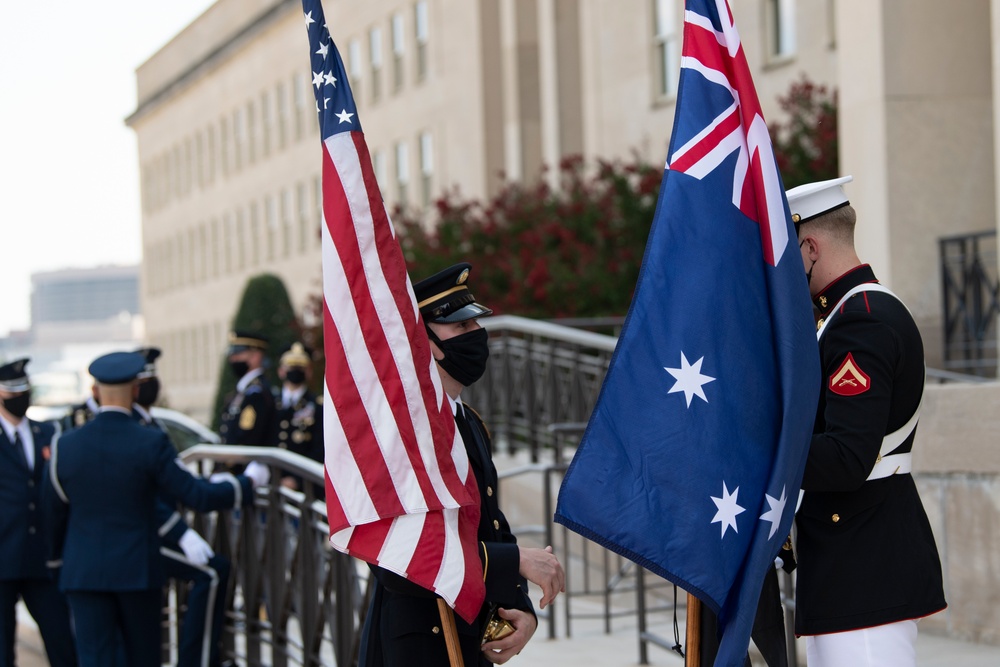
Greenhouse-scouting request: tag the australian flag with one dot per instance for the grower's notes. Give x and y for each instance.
(693, 457)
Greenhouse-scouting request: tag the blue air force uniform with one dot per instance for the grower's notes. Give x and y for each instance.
(101, 498)
(24, 450)
(248, 413)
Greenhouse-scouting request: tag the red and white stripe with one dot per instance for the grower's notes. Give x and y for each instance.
(400, 491)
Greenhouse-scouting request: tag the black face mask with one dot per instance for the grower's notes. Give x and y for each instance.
(464, 355)
(149, 390)
(239, 368)
(295, 375)
(17, 406)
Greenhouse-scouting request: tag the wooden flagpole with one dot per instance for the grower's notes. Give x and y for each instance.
(450, 634)
(692, 656)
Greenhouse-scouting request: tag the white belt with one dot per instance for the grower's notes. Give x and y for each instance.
(886, 465)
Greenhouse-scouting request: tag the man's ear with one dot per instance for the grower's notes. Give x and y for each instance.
(96, 392)
(811, 245)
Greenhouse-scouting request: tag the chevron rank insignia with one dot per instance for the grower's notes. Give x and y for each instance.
(849, 379)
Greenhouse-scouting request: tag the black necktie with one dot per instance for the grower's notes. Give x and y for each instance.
(19, 446)
(471, 436)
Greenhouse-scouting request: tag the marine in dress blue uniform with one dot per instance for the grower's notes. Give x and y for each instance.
(104, 478)
(868, 563)
(298, 416)
(24, 450)
(403, 626)
(184, 554)
(248, 413)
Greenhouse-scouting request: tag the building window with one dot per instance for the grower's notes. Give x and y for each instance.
(426, 168)
(239, 138)
(666, 48)
(251, 132)
(375, 55)
(302, 207)
(302, 93)
(240, 239)
(224, 146)
(318, 207)
(188, 167)
(210, 154)
(354, 67)
(286, 222)
(177, 167)
(281, 102)
(229, 240)
(254, 234)
(402, 172)
(398, 51)
(378, 166)
(781, 28)
(216, 248)
(420, 30)
(271, 224)
(199, 159)
(266, 122)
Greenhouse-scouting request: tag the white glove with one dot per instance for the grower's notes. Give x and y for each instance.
(258, 473)
(195, 548)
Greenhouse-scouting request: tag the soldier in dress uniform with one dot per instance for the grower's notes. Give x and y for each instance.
(868, 567)
(100, 501)
(403, 623)
(24, 450)
(247, 418)
(184, 554)
(299, 414)
(80, 414)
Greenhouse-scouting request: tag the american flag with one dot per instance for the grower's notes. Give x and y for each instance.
(400, 491)
(694, 454)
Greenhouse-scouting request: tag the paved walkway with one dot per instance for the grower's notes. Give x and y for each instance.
(590, 647)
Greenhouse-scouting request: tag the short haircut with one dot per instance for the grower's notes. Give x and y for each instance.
(837, 224)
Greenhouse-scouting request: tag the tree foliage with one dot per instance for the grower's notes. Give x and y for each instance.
(266, 309)
(805, 144)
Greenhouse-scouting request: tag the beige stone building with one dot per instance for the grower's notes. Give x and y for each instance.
(457, 93)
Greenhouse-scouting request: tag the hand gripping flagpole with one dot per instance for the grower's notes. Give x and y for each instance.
(450, 634)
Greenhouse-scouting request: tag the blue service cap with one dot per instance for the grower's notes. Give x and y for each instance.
(13, 377)
(117, 367)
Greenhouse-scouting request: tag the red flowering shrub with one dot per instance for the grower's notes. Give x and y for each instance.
(543, 253)
(805, 145)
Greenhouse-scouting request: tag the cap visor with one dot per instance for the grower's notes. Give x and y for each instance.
(467, 312)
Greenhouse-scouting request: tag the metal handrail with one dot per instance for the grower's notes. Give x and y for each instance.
(292, 599)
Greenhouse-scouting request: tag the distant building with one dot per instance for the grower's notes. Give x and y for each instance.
(95, 305)
(76, 315)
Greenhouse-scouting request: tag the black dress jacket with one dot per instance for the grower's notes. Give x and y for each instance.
(403, 627)
(867, 556)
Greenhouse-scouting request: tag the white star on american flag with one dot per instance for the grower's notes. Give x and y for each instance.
(309, 19)
(344, 116)
(323, 49)
(318, 79)
(330, 79)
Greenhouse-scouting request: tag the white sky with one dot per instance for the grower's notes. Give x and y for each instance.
(69, 193)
